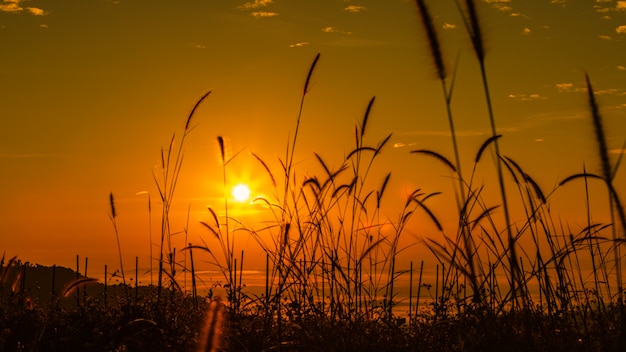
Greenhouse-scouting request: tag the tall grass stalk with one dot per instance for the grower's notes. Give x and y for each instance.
(607, 174)
(473, 27)
(149, 233)
(113, 217)
(171, 165)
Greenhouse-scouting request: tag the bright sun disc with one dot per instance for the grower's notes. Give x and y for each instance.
(241, 193)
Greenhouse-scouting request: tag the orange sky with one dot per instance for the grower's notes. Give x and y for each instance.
(92, 89)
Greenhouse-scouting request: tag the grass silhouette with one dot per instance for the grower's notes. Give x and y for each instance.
(331, 250)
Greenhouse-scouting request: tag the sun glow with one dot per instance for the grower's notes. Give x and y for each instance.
(241, 192)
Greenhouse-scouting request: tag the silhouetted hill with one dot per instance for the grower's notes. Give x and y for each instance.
(37, 281)
(40, 283)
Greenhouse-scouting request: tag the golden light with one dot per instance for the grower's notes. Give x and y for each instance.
(241, 192)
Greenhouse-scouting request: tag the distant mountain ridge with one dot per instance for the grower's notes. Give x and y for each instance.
(36, 281)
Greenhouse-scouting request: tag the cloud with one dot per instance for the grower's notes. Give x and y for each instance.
(526, 97)
(610, 91)
(449, 26)
(36, 11)
(350, 42)
(526, 31)
(13, 6)
(264, 14)
(617, 151)
(621, 29)
(621, 68)
(355, 8)
(569, 88)
(297, 45)
(500, 5)
(334, 30)
(503, 6)
(565, 87)
(255, 4)
(443, 133)
(604, 37)
(402, 145)
(605, 6)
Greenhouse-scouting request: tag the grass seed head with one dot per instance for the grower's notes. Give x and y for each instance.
(433, 39)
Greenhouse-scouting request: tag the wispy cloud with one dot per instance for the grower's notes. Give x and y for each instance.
(505, 6)
(526, 97)
(255, 4)
(298, 45)
(501, 5)
(355, 8)
(13, 6)
(604, 37)
(264, 14)
(334, 30)
(603, 9)
(36, 11)
(443, 133)
(349, 42)
(449, 26)
(621, 68)
(607, 6)
(610, 91)
(402, 145)
(570, 88)
(565, 87)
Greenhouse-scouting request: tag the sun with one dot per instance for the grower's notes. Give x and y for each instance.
(241, 192)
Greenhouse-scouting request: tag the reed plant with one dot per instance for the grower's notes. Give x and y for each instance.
(166, 181)
(552, 255)
(113, 218)
(333, 255)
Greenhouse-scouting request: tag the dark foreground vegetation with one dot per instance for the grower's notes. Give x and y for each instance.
(83, 316)
(506, 281)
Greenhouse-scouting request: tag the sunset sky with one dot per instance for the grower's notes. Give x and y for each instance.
(91, 90)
